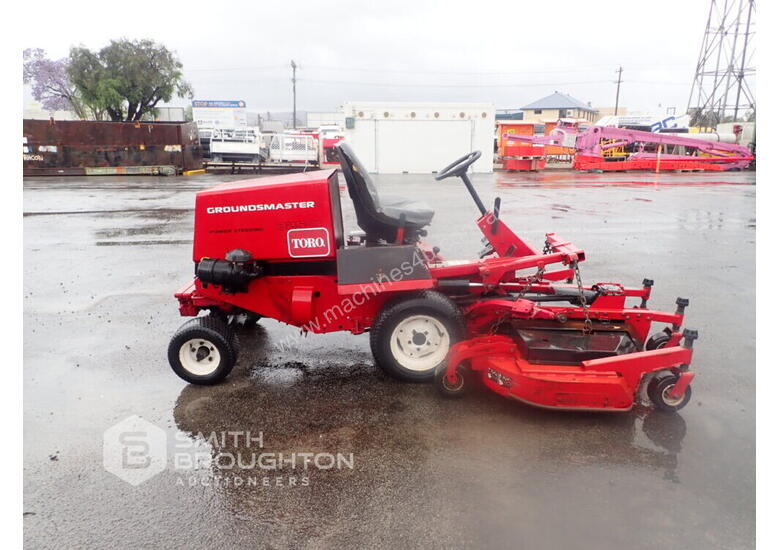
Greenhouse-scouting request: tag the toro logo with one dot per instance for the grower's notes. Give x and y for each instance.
(307, 243)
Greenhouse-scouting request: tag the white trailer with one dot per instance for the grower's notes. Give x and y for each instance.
(236, 145)
(395, 138)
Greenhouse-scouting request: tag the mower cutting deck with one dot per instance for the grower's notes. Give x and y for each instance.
(275, 247)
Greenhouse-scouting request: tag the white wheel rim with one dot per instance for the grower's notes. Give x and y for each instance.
(668, 399)
(419, 343)
(198, 356)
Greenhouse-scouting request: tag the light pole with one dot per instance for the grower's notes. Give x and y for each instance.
(294, 67)
(617, 95)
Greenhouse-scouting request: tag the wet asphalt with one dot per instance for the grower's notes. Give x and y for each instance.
(103, 256)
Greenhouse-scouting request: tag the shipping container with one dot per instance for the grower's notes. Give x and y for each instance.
(395, 138)
(79, 147)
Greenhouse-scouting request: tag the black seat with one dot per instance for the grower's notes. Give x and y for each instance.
(380, 216)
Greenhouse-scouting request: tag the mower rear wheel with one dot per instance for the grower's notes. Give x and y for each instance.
(659, 390)
(657, 341)
(411, 337)
(448, 389)
(203, 351)
(223, 319)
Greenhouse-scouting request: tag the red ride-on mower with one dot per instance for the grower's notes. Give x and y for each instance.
(275, 247)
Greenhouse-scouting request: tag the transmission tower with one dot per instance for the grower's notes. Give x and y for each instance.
(725, 72)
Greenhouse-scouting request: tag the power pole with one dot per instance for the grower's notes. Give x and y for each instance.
(294, 66)
(617, 95)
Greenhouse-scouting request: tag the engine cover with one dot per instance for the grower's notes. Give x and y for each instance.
(275, 218)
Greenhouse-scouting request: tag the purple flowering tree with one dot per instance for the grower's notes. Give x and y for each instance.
(51, 85)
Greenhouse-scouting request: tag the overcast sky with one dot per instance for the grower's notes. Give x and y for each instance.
(508, 53)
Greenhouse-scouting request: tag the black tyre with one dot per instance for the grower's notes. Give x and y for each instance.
(658, 390)
(227, 320)
(247, 319)
(447, 389)
(657, 341)
(203, 351)
(411, 337)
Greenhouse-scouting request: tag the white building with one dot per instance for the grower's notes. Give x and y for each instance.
(395, 138)
(317, 119)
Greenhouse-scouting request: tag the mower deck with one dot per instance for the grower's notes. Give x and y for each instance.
(569, 346)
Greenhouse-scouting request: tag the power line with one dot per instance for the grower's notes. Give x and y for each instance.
(578, 68)
(486, 85)
(657, 82)
(253, 68)
(573, 69)
(419, 85)
(623, 82)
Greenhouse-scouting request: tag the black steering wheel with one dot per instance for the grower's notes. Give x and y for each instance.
(459, 167)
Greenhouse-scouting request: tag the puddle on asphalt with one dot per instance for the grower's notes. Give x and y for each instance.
(143, 243)
(159, 213)
(170, 221)
(152, 229)
(280, 375)
(393, 431)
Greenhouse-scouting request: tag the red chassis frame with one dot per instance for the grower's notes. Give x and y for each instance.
(309, 301)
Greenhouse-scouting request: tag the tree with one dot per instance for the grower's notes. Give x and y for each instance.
(702, 118)
(127, 78)
(710, 119)
(50, 83)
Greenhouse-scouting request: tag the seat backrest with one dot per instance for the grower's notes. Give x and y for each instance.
(380, 218)
(362, 192)
(359, 184)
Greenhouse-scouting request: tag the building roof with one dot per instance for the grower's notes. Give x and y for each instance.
(558, 100)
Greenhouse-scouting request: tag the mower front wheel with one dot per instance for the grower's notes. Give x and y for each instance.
(203, 351)
(411, 337)
(449, 389)
(659, 390)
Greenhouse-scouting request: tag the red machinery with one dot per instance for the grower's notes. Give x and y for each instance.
(523, 157)
(274, 247)
(608, 148)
